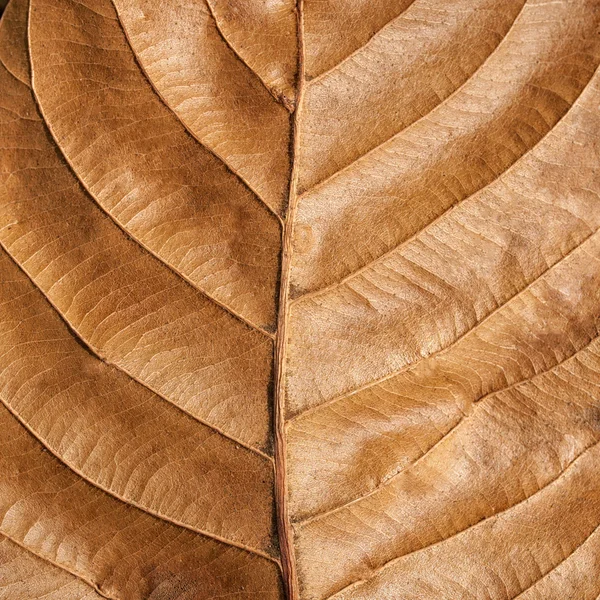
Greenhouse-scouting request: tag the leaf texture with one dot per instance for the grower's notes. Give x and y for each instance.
(300, 300)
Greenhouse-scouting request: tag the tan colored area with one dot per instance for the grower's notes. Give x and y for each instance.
(300, 300)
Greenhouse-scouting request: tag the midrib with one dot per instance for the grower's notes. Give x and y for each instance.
(286, 542)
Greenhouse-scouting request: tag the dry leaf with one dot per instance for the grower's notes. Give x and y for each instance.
(300, 301)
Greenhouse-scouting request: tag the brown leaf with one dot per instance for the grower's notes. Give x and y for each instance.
(300, 300)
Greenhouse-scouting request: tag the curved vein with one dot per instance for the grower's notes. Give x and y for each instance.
(102, 359)
(391, 562)
(454, 206)
(81, 578)
(9, 71)
(135, 240)
(360, 48)
(390, 478)
(163, 100)
(130, 502)
(443, 351)
(241, 59)
(87, 582)
(547, 573)
(391, 138)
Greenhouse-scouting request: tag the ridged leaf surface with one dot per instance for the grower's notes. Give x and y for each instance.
(299, 300)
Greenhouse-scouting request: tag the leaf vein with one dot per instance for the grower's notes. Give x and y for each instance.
(387, 480)
(163, 100)
(398, 133)
(240, 58)
(360, 48)
(555, 567)
(96, 354)
(443, 351)
(129, 502)
(396, 559)
(138, 242)
(440, 217)
(81, 578)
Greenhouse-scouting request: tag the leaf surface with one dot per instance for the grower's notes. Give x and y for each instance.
(300, 300)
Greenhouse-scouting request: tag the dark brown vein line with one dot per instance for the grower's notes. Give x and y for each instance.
(547, 573)
(443, 351)
(436, 107)
(5, 66)
(98, 356)
(284, 528)
(163, 100)
(397, 559)
(387, 480)
(81, 578)
(128, 235)
(278, 98)
(360, 48)
(133, 503)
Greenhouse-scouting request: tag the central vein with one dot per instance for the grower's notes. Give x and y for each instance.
(288, 562)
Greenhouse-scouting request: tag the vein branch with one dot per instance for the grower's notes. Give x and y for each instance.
(349, 57)
(163, 100)
(94, 352)
(81, 578)
(388, 480)
(130, 502)
(390, 139)
(445, 350)
(278, 98)
(555, 567)
(395, 560)
(136, 241)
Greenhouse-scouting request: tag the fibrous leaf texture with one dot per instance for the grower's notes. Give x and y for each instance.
(299, 300)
